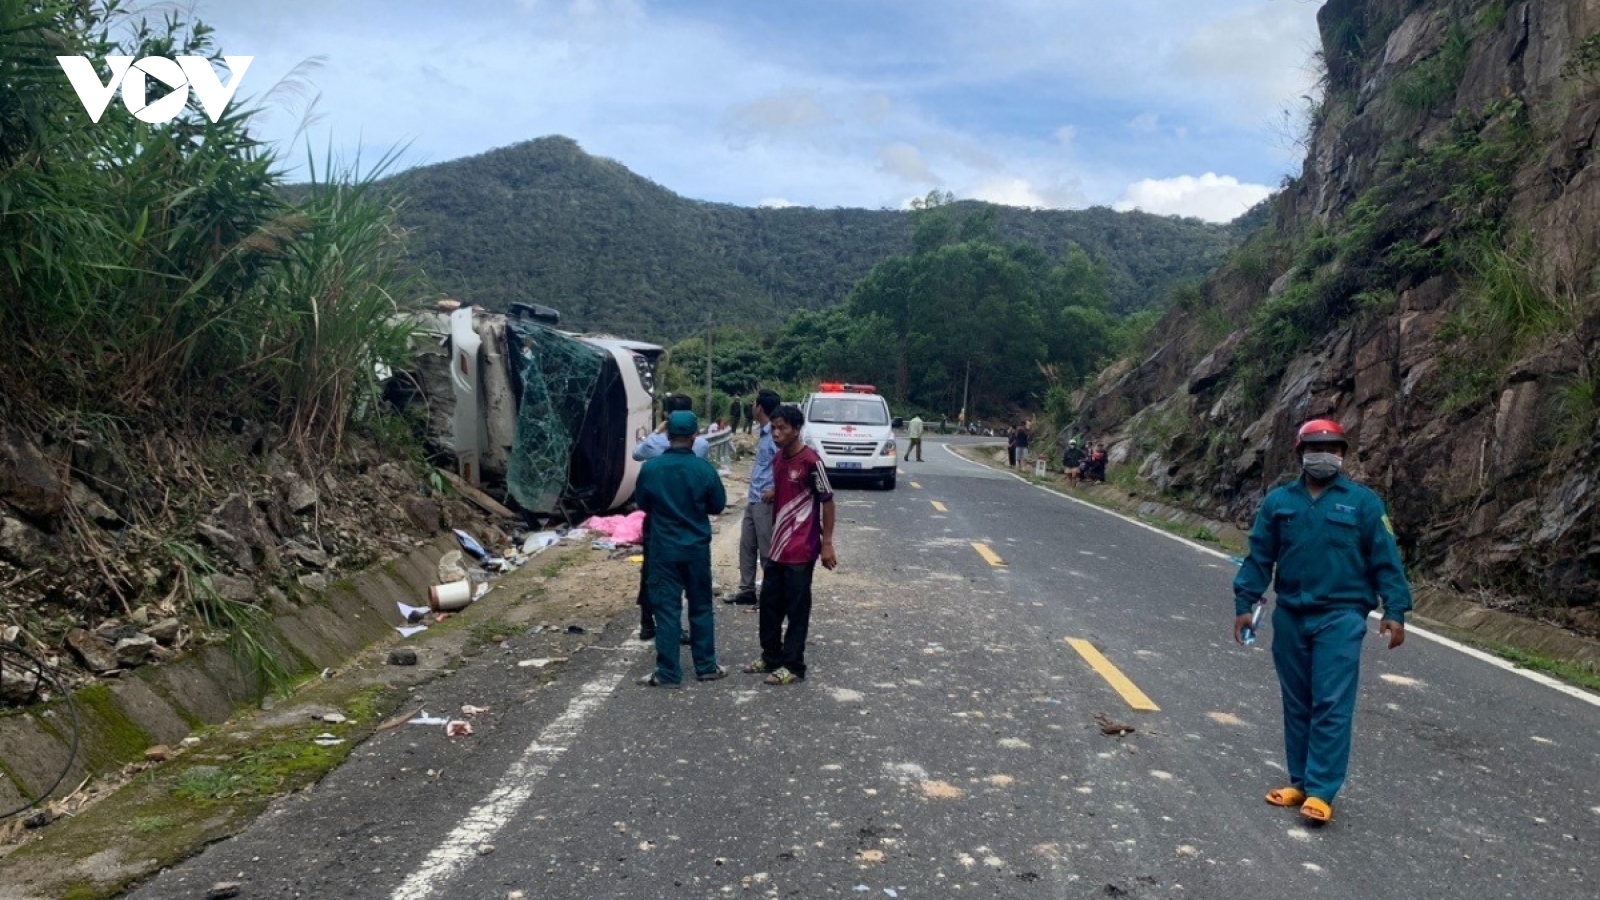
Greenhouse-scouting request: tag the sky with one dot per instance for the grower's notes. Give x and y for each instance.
(1171, 106)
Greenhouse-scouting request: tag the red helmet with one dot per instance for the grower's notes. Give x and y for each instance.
(1320, 431)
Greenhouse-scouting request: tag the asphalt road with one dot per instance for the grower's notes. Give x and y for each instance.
(945, 745)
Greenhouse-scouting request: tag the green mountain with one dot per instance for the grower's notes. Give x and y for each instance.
(545, 222)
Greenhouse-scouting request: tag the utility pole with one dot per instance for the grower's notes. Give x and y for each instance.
(711, 414)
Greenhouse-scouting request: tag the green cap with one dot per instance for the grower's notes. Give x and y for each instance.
(682, 424)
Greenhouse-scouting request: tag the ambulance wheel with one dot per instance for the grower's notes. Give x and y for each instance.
(887, 483)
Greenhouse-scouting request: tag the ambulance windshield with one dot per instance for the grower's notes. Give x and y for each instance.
(849, 411)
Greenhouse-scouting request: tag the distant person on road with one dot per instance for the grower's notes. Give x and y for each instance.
(944, 423)
(735, 413)
(1094, 465)
(679, 492)
(1011, 448)
(802, 533)
(1072, 461)
(1021, 435)
(1326, 546)
(755, 536)
(914, 432)
(648, 448)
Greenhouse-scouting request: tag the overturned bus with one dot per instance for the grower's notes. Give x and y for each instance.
(536, 416)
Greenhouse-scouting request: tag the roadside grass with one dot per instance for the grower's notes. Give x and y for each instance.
(1577, 674)
(560, 564)
(481, 634)
(1120, 495)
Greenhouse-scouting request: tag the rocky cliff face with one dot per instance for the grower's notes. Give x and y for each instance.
(1429, 282)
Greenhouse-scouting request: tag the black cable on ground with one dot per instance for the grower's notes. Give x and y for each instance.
(18, 658)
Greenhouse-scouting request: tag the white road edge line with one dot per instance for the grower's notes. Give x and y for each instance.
(1530, 674)
(514, 789)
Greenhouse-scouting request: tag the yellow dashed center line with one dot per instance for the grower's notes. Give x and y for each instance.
(989, 556)
(939, 506)
(917, 486)
(901, 471)
(1118, 681)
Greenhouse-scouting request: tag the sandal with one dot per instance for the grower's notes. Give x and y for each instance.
(784, 676)
(1315, 810)
(759, 667)
(1286, 796)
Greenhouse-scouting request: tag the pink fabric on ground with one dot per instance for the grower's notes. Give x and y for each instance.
(628, 529)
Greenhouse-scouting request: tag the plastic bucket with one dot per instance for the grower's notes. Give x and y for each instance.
(449, 597)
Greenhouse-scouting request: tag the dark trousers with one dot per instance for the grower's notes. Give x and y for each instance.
(669, 583)
(647, 616)
(786, 595)
(1318, 658)
(914, 447)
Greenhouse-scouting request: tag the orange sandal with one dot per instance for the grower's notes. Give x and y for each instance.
(1286, 796)
(1318, 811)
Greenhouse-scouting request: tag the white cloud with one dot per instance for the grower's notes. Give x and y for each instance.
(1145, 124)
(788, 112)
(1260, 55)
(1215, 198)
(906, 161)
(1009, 192)
(776, 203)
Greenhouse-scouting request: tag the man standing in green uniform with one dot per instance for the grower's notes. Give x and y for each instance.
(679, 492)
(1327, 547)
(914, 432)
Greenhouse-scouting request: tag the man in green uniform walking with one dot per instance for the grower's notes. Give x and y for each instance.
(1326, 546)
(679, 492)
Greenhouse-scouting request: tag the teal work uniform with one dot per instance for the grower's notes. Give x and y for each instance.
(679, 492)
(1329, 561)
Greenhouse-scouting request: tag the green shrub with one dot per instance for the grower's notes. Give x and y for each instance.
(1437, 78)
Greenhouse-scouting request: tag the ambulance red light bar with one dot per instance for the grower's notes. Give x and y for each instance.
(834, 387)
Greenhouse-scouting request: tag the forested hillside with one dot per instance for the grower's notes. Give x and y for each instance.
(543, 221)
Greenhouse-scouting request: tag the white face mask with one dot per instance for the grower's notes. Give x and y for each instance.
(1321, 466)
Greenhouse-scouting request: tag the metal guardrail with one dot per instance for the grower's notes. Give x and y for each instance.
(721, 448)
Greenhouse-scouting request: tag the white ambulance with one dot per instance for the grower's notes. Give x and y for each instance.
(850, 428)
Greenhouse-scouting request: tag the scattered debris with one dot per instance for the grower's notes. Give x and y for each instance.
(470, 710)
(470, 544)
(540, 663)
(223, 890)
(485, 849)
(576, 629)
(1114, 729)
(413, 614)
(409, 630)
(39, 820)
(421, 717)
(402, 656)
(158, 753)
(396, 721)
(332, 718)
(327, 740)
(450, 597)
(539, 541)
(457, 728)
